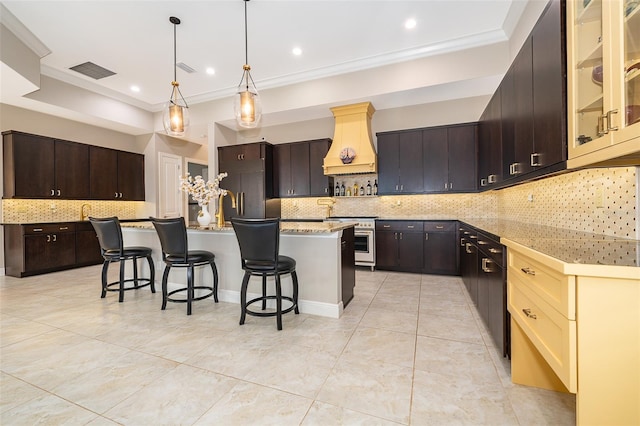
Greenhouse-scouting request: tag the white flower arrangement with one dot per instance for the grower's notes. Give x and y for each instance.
(201, 191)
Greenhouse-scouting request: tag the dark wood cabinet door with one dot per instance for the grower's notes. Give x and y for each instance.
(253, 195)
(435, 160)
(440, 253)
(299, 169)
(282, 157)
(507, 124)
(497, 309)
(103, 173)
(320, 185)
(232, 153)
(493, 159)
(410, 248)
(484, 279)
(71, 170)
(87, 248)
(347, 254)
(469, 270)
(386, 249)
(388, 163)
(49, 251)
(523, 125)
(410, 165)
(462, 157)
(549, 84)
(29, 166)
(131, 176)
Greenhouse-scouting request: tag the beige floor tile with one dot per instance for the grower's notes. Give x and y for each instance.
(178, 398)
(321, 414)
(395, 303)
(374, 388)
(541, 407)
(406, 322)
(374, 344)
(15, 392)
(448, 328)
(440, 399)
(46, 410)
(251, 404)
(454, 358)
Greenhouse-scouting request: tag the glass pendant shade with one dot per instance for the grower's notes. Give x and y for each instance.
(175, 115)
(247, 106)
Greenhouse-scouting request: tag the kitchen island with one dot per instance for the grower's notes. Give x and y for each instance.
(316, 247)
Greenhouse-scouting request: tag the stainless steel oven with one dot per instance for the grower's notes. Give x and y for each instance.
(365, 239)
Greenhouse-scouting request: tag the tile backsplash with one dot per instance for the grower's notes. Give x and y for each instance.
(601, 200)
(36, 211)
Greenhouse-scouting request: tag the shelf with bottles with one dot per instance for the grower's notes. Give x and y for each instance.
(356, 186)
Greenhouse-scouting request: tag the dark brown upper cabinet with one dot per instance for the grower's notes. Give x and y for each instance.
(116, 175)
(43, 167)
(490, 143)
(400, 162)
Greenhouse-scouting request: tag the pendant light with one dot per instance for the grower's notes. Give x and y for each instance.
(175, 116)
(247, 106)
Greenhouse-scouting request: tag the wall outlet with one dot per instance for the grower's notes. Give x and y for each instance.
(530, 198)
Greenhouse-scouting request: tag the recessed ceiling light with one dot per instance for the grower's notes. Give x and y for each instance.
(296, 51)
(135, 88)
(410, 24)
(211, 71)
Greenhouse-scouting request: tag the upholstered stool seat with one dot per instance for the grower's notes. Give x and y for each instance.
(259, 241)
(175, 253)
(109, 235)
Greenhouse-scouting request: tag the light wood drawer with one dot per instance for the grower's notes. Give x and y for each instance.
(551, 333)
(555, 288)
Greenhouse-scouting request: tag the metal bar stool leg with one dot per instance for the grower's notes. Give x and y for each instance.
(105, 269)
(294, 277)
(278, 302)
(165, 277)
(152, 274)
(215, 281)
(121, 292)
(243, 297)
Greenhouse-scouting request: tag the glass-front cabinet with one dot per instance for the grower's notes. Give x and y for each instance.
(603, 48)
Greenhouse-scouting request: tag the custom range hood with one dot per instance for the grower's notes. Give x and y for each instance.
(352, 149)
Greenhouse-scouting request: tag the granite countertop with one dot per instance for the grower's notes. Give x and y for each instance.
(285, 227)
(567, 245)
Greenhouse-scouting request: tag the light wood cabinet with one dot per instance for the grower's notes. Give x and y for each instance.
(603, 48)
(576, 328)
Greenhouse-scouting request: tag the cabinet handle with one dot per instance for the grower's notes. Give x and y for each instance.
(386, 226)
(64, 228)
(37, 229)
(467, 248)
(55, 237)
(483, 182)
(482, 243)
(397, 187)
(401, 187)
(58, 192)
(410, 226)
(485, 265)
(121, 195)
(445, 185)
(528, 271)
(601, 130)
(609, 120)
(461, 242)
(48, 238)
(535, 160)
(514, 169)
(53, 192)
(426, 236)
(395, 235)
(466, 232)
(492, 178)
(528, 313)
(400, 235)
(439, 226)
(494, 251)
(473, 237)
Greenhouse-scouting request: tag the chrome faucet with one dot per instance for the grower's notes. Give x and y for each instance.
(220, 214)
(83, 214)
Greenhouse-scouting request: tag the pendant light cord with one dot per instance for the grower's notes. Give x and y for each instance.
(175, 58)
(246, 37)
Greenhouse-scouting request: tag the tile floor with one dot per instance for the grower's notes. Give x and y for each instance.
(409, 349)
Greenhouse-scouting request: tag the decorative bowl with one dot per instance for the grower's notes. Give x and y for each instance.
(347, 155)
(596, 74)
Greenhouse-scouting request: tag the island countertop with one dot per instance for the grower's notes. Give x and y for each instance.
(285, 227)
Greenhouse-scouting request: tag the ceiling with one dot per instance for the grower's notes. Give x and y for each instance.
(134, 39)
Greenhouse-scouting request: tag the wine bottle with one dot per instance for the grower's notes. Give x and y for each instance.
(349, 191)
(342, 190)
(361, 190)
(337, 193)
(368, 187)
(355, 189)
(375, 187)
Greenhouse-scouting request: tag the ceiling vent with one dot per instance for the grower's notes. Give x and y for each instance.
(92, 70)
(186, 68)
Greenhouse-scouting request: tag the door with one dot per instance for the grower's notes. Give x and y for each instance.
(71, 170)
(388, 163)
(410, 164)
(300, 169)
(170, 198)
(440, 253)
(435, 160)
(386, 249)
(523, 86)
(131, 176)
(33, 166)
(462, 158)
(410, 251)
(103, 173)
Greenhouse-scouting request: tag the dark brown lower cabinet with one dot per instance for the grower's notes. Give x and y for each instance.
(482, 267)
(41, 248)
(87, 245)
(440, 248)
(348, 265)
(399, 245)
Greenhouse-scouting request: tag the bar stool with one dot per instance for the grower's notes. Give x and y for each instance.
(176, 253)
(109, 235)
(259, 241)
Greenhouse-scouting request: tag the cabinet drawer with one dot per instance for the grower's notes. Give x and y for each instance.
(555, 288)
(399, 225)
(493, 249)
(551, 333)
(47, 228)
(439, 226)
